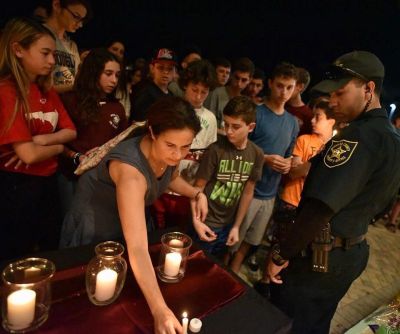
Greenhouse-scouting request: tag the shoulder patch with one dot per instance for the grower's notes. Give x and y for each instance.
(339, 152)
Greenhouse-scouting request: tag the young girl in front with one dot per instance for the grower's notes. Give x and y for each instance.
(33, 129)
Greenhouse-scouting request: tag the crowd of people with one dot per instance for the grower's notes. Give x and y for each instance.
(227, 153)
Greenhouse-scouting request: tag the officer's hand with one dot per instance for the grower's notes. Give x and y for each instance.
(273, 271)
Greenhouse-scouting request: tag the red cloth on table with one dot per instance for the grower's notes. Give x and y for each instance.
(205, 288)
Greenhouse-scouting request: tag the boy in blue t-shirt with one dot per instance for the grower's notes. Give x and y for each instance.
(276, 132)
(227, 174)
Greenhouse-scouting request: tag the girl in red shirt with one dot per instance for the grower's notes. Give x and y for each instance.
(33, 129)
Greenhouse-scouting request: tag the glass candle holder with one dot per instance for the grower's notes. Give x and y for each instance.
(173, 257)
(27, 294)
(106, 273)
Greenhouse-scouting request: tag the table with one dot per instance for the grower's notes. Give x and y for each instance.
(248, 313)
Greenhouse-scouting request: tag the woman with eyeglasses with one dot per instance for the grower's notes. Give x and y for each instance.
(65, 16)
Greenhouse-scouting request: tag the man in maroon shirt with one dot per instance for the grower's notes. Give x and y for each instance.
(296, 106)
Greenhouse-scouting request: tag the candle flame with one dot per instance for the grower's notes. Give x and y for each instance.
(184, 314)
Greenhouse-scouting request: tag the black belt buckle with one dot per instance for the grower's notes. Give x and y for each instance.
(347, 244)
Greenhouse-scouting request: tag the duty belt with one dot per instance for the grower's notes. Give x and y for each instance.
(346, 243)
(324, 243)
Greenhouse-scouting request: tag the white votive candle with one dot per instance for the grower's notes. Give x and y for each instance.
(21, 308)
(195, 325)
(172, 263)
(32, 272)
(176, 243)
(106, 281)
(185, 322)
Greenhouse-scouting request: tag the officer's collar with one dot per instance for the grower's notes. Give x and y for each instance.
(372, 113)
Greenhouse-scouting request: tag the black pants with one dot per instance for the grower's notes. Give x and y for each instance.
(311, 298)
(29, 214)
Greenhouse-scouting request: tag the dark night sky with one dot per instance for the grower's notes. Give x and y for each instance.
(309, 33)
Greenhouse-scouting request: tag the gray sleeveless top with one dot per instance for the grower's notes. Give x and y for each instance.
(94, 216)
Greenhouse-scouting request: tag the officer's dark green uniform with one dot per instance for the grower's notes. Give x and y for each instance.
(355, 177)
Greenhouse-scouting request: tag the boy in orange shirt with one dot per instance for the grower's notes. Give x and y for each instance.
(306, 147)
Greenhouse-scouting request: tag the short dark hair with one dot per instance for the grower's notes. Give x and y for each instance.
(259, 74)
(323, 104)
(243, 107)
(199, 71)
(377, 81)
(112, 41)
(172, 113)
(378, 85)
(243, 64)
(284, 70)
(189, 49)
(303, 77)
(221, 61)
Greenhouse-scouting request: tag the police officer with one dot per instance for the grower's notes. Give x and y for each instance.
(350, 181)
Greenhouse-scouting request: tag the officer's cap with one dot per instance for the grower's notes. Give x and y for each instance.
(357, 64)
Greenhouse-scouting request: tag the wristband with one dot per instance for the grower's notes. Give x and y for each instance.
(75, 158)
(196, 197)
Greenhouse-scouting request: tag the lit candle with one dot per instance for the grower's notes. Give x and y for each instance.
(106, 280)
(185, 322)
(195, 325)
(21, 308)
(32, 272)
(176, 243)
(172, 263)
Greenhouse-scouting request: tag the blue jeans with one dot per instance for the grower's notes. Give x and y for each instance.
(218, 246)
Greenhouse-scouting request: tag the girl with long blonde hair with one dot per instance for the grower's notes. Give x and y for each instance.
(33, 129)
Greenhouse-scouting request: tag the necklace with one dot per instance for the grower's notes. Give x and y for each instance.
(156, 166)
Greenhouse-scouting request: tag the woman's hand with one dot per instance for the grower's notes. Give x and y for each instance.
(165, 322)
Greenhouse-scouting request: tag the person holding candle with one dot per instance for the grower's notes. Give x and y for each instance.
(228, 173)
(34, 127)
(110, 199)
